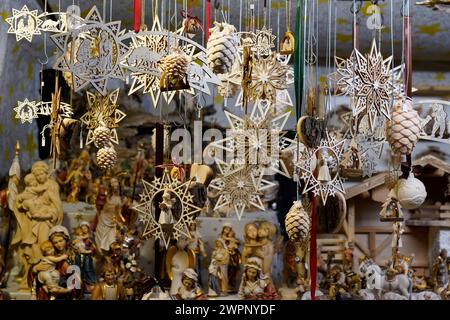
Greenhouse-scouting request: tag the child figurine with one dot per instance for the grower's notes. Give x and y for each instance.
(195, 243)
(50, 277)
(190, 290)
(254, 285)
(84, 249)
(218, 270)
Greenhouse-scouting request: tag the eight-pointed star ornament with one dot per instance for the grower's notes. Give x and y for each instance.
(239, 187)
(97, 54)
(258, 139)
(24, 23)
(102, 109)
(319, 168)
(177, 209)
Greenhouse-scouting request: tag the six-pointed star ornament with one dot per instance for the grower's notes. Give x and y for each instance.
(24, 23)
(102, 109)
(98, 52)
(181, 210)
(239, 187)
(142, 59)
(319, 168)
(258, 139)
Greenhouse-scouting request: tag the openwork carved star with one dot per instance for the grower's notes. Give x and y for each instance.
(239, 187)
(264, 41)
(142, 60)
(319, 168)
(183, 210)
(91, 52)
(369, 80)
(24, 23)
(102, 108)
(27, 110)
(258, 139)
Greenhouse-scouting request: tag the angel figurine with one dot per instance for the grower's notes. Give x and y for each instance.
(166, 216)
(324, 171)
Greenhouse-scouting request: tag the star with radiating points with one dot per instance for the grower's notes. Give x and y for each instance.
(311, 164)
(96, 53)
(24, 23)
(102, 108)
(26, 111)
(239, 187)
(187, 211)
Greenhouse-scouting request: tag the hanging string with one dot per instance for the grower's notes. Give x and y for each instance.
(110, 10)
(240, 15)
(278, 23)
(104, 10)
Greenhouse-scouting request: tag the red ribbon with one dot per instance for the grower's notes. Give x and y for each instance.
(208, 19)
(137, 15)
(313, 250)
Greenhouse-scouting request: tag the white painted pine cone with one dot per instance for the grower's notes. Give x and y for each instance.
(222, 47)
(175, 64)
(297, 223)
(101, 136)
(106, 158)
(404, 129)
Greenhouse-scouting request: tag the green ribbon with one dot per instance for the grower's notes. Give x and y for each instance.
(299, 58)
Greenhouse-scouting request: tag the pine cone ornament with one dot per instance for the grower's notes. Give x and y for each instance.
(175, 65)
(106, 157)
(404, 129)
(101, 135)
(297, 223)
(222, 47)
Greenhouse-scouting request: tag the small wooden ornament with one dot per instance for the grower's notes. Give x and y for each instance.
(287, 44)
(310, 131)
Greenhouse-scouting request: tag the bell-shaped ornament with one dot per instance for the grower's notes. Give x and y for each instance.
(287, 44)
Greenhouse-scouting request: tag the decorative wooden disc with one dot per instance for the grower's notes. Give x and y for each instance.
(331, 216)
(310, 131)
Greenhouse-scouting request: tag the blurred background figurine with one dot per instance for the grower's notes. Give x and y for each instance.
(109, 288)
(195, 243)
